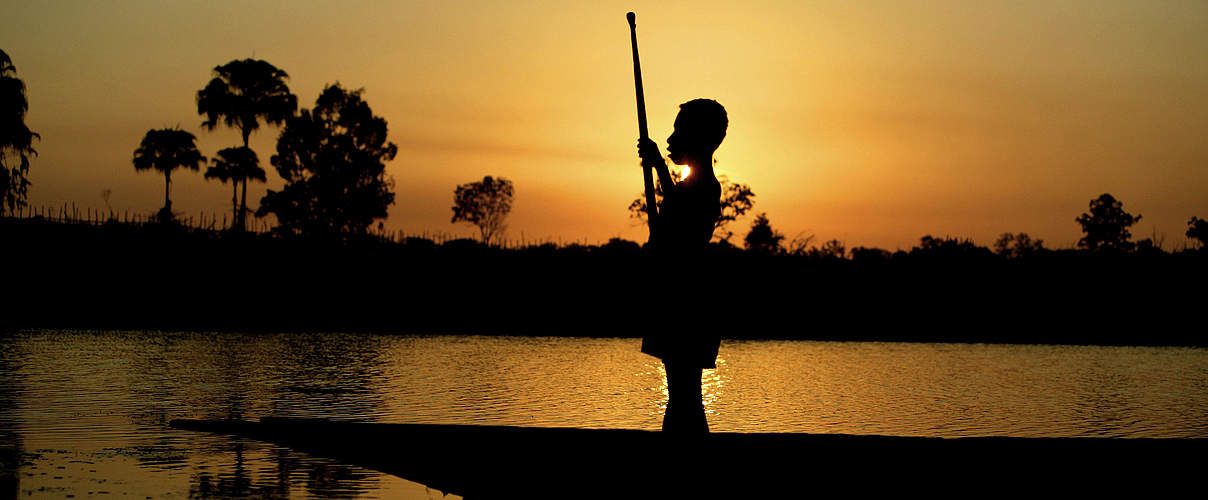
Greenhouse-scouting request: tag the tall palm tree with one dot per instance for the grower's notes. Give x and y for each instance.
(236, 165)
(15, 138)
(166, 150)
(242, 93)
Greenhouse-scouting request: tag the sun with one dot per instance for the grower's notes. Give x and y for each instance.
(684, 174)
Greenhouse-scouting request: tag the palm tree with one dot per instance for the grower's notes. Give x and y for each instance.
(166, 150)
(15, 138)
(242, 93)
(236, 165)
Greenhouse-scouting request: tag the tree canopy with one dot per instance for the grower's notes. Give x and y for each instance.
(16, 139)
(165, 150)
(485, 204)
(333, 159)
(1106, 225)
(244, 92)
(762, 238)
(831, 249)
(236, 165)
(241, 94)
(1011, 246)
(1197, 229)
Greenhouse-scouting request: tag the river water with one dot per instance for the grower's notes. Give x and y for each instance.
(85, 413)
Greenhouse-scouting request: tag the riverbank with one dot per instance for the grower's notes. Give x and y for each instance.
(125, 277)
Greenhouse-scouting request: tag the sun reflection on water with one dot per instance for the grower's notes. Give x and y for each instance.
(713, 384)
(661, 404)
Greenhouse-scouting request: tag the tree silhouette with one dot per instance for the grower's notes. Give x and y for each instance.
(949, 249)
(617, 247)
(484, 204)
(241, 94)
(762, 238)
(832, 249)
(1106, 225)
(1017, 245)
(1197, 229)
(869, 254)
(236, 165)
(16, 140)
(333, 161)
(166, 150)
(800, 245)
(736, 201)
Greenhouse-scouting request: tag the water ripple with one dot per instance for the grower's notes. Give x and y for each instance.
(106, 397)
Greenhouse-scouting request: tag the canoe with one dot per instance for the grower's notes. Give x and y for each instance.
(535, 462)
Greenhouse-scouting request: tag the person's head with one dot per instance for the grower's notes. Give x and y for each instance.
(699, 129)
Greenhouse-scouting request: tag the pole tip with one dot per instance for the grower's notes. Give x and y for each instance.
(631, 17)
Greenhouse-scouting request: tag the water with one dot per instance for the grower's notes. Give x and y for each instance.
(85, 413)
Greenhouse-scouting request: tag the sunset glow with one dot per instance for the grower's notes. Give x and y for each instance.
(869, 122)
(417, 249)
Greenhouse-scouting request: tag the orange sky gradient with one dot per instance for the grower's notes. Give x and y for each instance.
(870, 122)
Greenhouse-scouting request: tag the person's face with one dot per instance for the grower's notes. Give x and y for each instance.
(677, 144)
(686, 141)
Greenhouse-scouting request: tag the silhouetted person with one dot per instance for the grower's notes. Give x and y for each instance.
(682, 230)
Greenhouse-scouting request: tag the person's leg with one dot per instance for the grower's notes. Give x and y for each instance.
(685, 408)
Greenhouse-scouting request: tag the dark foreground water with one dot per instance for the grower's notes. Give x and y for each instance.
(85, 413)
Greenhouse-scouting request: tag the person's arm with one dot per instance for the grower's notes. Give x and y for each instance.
(651, 158)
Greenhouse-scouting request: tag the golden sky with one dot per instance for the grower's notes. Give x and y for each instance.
(869, 122)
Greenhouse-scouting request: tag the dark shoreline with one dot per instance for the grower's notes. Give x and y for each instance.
(534, 462)
(79, 276)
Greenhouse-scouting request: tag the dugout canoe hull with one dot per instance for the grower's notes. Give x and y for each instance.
(535, 462)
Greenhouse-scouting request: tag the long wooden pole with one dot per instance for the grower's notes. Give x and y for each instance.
(643, 133)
